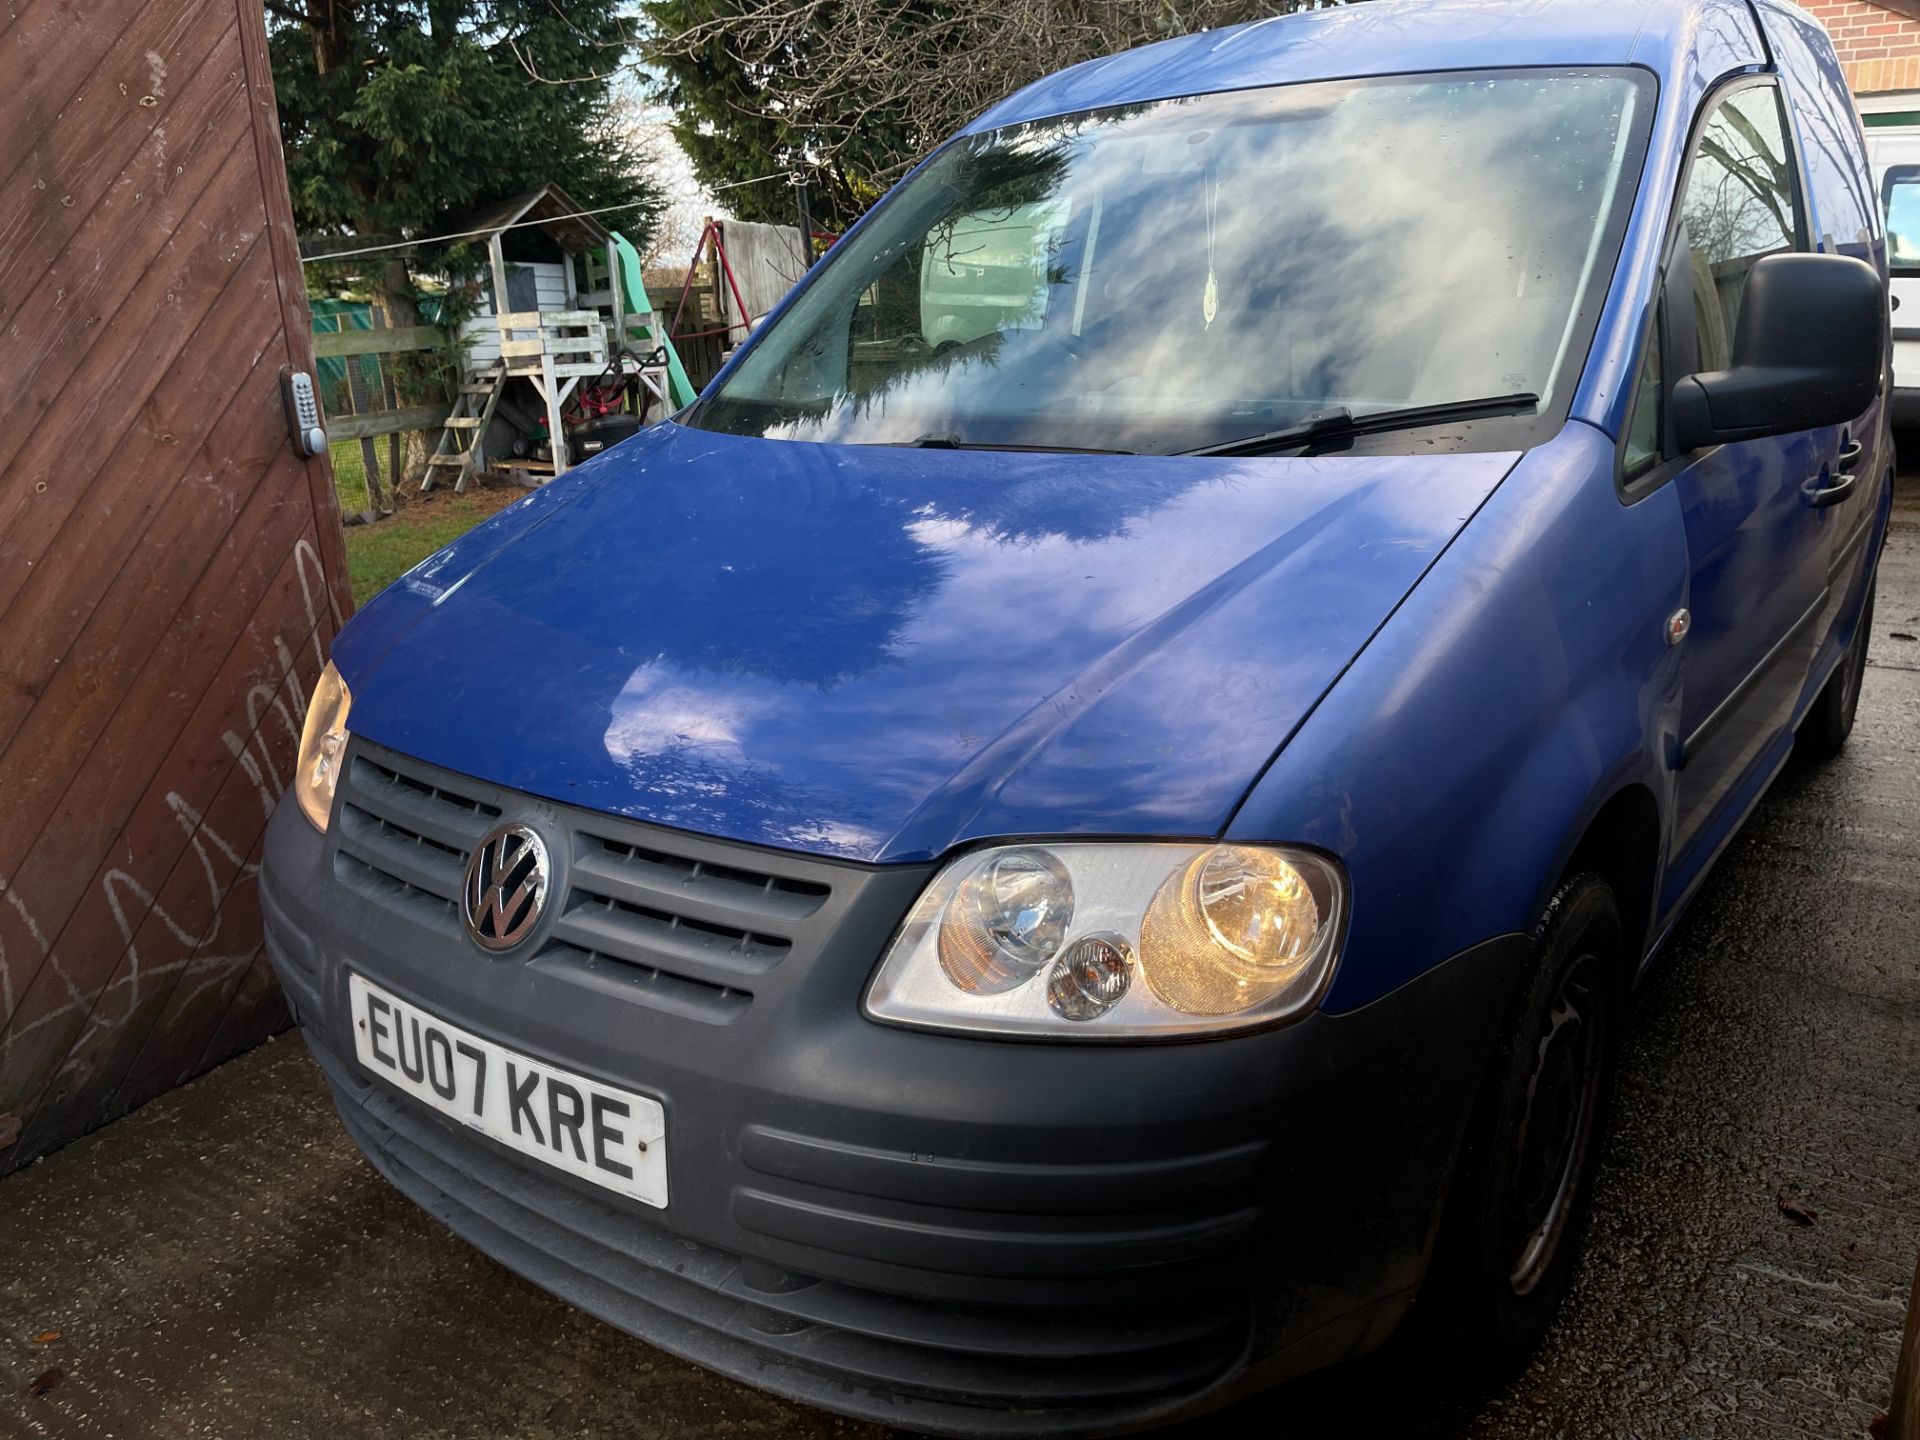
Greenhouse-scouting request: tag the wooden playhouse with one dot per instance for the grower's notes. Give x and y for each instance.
(565, 319)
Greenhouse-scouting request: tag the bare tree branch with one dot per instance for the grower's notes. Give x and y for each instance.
(843, 70)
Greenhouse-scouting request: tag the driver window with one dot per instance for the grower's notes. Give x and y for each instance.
(1741, 203)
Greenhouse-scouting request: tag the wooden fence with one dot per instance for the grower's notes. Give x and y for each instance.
(171, 570)
(362, 404)
(361, 400)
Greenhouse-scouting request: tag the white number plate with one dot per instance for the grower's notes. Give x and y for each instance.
(612, 1137)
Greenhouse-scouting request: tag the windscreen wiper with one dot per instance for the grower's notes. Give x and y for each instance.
(1340, 421)
(951, 440)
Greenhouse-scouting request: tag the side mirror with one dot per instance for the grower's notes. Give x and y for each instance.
(1810, 349)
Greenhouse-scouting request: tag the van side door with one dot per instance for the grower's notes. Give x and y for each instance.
(1757, 549)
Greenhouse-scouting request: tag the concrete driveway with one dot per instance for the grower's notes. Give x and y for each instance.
(223, 1263)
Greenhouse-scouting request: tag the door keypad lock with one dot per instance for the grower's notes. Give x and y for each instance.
(303, 412)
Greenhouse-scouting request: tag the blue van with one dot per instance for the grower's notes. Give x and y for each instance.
(1072, 840)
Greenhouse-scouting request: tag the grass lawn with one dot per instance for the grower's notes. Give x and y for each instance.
(350, 475)
(380, 553)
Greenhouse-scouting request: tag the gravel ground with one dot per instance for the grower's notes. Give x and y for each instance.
(222, 1263)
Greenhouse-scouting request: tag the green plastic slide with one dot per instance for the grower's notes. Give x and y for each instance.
(635, 293)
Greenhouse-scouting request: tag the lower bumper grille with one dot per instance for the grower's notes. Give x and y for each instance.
(962, 1370)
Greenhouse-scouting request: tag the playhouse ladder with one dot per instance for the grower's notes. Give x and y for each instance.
(471, 414)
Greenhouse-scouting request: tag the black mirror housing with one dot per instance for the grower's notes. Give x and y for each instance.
(1810, 349)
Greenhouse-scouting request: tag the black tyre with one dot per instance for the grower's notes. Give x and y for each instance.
(1828, 724)
(1514, 1220)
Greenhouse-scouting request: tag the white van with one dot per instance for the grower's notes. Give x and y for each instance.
(989, 271)
(1893, 150)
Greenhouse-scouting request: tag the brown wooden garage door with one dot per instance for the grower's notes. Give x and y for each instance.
(171, 571)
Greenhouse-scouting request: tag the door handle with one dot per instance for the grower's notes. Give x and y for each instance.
(1845, 477)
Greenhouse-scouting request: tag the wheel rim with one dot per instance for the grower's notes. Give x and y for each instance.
(1557, 1128)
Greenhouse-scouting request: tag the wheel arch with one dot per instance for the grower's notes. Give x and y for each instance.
(1621, 844)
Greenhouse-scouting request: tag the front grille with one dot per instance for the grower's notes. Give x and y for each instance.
(640, 906)
(404, 840)
(683, 923)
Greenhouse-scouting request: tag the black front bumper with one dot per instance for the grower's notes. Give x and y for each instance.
(961, 1235)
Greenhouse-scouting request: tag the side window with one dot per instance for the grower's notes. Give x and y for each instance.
(1900, 193)
(1741, 203)
(1644, 430)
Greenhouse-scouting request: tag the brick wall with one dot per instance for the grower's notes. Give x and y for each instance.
(1879, 47)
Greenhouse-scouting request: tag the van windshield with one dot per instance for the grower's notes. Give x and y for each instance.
(1167, 276)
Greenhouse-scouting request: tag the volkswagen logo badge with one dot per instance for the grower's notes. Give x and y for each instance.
(506, 887)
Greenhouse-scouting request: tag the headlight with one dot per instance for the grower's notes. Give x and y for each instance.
(323, 741)
(1008, 918)
(1109, 940)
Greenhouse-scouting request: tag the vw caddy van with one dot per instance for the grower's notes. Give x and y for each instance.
(1042, 876)
(1893, 152)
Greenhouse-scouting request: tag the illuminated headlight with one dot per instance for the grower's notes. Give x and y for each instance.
(323, 741)
(1110, 940)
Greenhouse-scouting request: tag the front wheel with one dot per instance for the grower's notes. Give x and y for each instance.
(1828, 724)
(1511, 1236)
